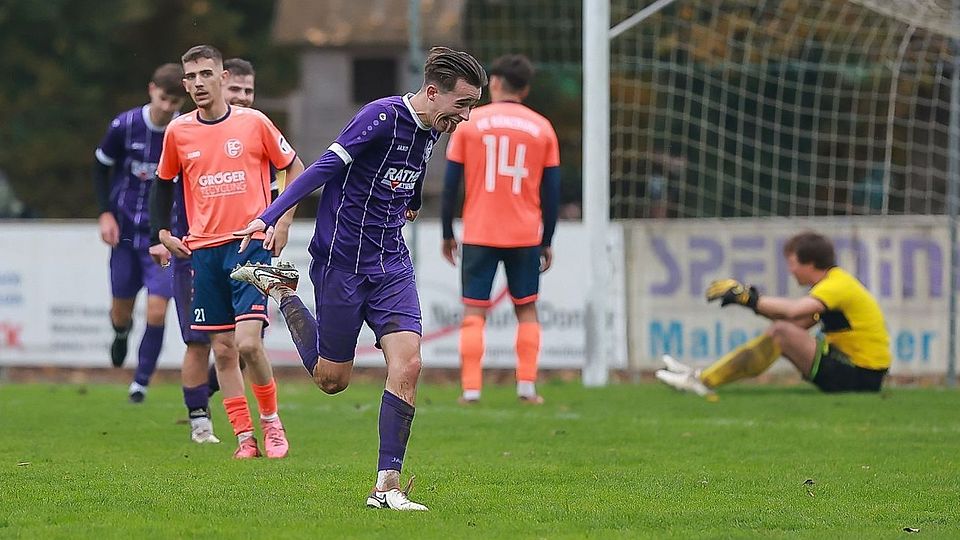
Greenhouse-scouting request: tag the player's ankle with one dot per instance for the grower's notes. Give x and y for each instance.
(280, 292)
(387, 480)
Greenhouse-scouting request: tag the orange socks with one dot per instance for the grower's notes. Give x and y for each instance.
(266, 397)
(528, 351)
(471, 353)
(238, 414)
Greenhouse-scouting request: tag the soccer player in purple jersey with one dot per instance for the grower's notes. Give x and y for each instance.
(124, 168)
(198, 376)
(361, 268)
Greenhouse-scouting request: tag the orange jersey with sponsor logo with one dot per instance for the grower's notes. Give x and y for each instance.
(504, 148)
(225, 169)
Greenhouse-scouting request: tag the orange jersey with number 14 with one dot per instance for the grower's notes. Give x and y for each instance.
(504, 148)
(225, 169)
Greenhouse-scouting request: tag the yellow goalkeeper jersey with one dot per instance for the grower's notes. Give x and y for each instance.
(853, 321)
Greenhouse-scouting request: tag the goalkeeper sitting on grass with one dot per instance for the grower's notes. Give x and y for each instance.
(851, 353)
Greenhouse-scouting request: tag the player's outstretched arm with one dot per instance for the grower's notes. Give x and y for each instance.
(282, 231)
(312, 179)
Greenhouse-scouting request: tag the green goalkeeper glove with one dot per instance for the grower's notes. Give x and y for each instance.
(731, 291)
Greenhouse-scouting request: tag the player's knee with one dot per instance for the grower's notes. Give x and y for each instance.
(410, 367)
(778, 330)
(225, 356)
(249, 348)
(331, 384)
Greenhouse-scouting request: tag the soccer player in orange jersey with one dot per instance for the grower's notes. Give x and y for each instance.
(510, 157)
(198, 376)
(223, 155)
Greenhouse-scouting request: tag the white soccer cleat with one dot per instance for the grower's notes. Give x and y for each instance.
(394, 499)
(675, 366)
(274, 281)
(201, 431)
(685, 382)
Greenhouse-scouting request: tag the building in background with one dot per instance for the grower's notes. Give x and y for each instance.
(353, 52)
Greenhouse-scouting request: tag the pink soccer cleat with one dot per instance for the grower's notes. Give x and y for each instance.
(274, 438)
(248, 449)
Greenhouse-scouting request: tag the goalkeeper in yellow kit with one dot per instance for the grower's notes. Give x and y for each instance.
(851, 353)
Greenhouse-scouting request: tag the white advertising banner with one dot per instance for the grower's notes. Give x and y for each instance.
(903, 261)
(55, 300)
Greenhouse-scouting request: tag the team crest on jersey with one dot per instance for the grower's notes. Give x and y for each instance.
(428, 151)
(233, 147)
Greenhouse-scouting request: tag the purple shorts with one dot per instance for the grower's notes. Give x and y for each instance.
(387, 302)
(132, 269)
(183, 298)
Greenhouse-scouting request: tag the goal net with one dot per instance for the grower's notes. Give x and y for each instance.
(736, 108)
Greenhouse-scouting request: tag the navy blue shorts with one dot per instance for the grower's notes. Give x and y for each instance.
(183, 298)
(218, 301)
(387, 302)
(479, 266)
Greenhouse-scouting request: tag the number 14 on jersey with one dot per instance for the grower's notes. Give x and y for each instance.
(498, 162)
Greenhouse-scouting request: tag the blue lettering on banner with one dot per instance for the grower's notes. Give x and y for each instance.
(675, 338)
(909, 346)
(711, 341)
(747, 258)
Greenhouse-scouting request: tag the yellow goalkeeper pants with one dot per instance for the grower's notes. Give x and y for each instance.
(748, 360)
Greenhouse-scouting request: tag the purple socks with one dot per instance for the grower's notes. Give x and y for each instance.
(197, 400)
(396, 416)
(149, 352)
(303, 330)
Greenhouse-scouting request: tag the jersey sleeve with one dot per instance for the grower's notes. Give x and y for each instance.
(111, 146)
(276, 146)
(552, 155)
(372, 123)
(169, 166)
(456, 146)
(829, 291)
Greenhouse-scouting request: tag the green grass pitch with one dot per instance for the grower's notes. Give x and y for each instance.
(624, 461)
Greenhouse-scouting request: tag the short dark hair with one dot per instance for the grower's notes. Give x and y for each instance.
(516, 70)
(238, 66)
(169, 78)
(202, 51)
(444, 67)
(811, 247)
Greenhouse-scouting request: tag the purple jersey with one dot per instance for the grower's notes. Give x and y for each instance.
(132, 148)
(370, 174)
